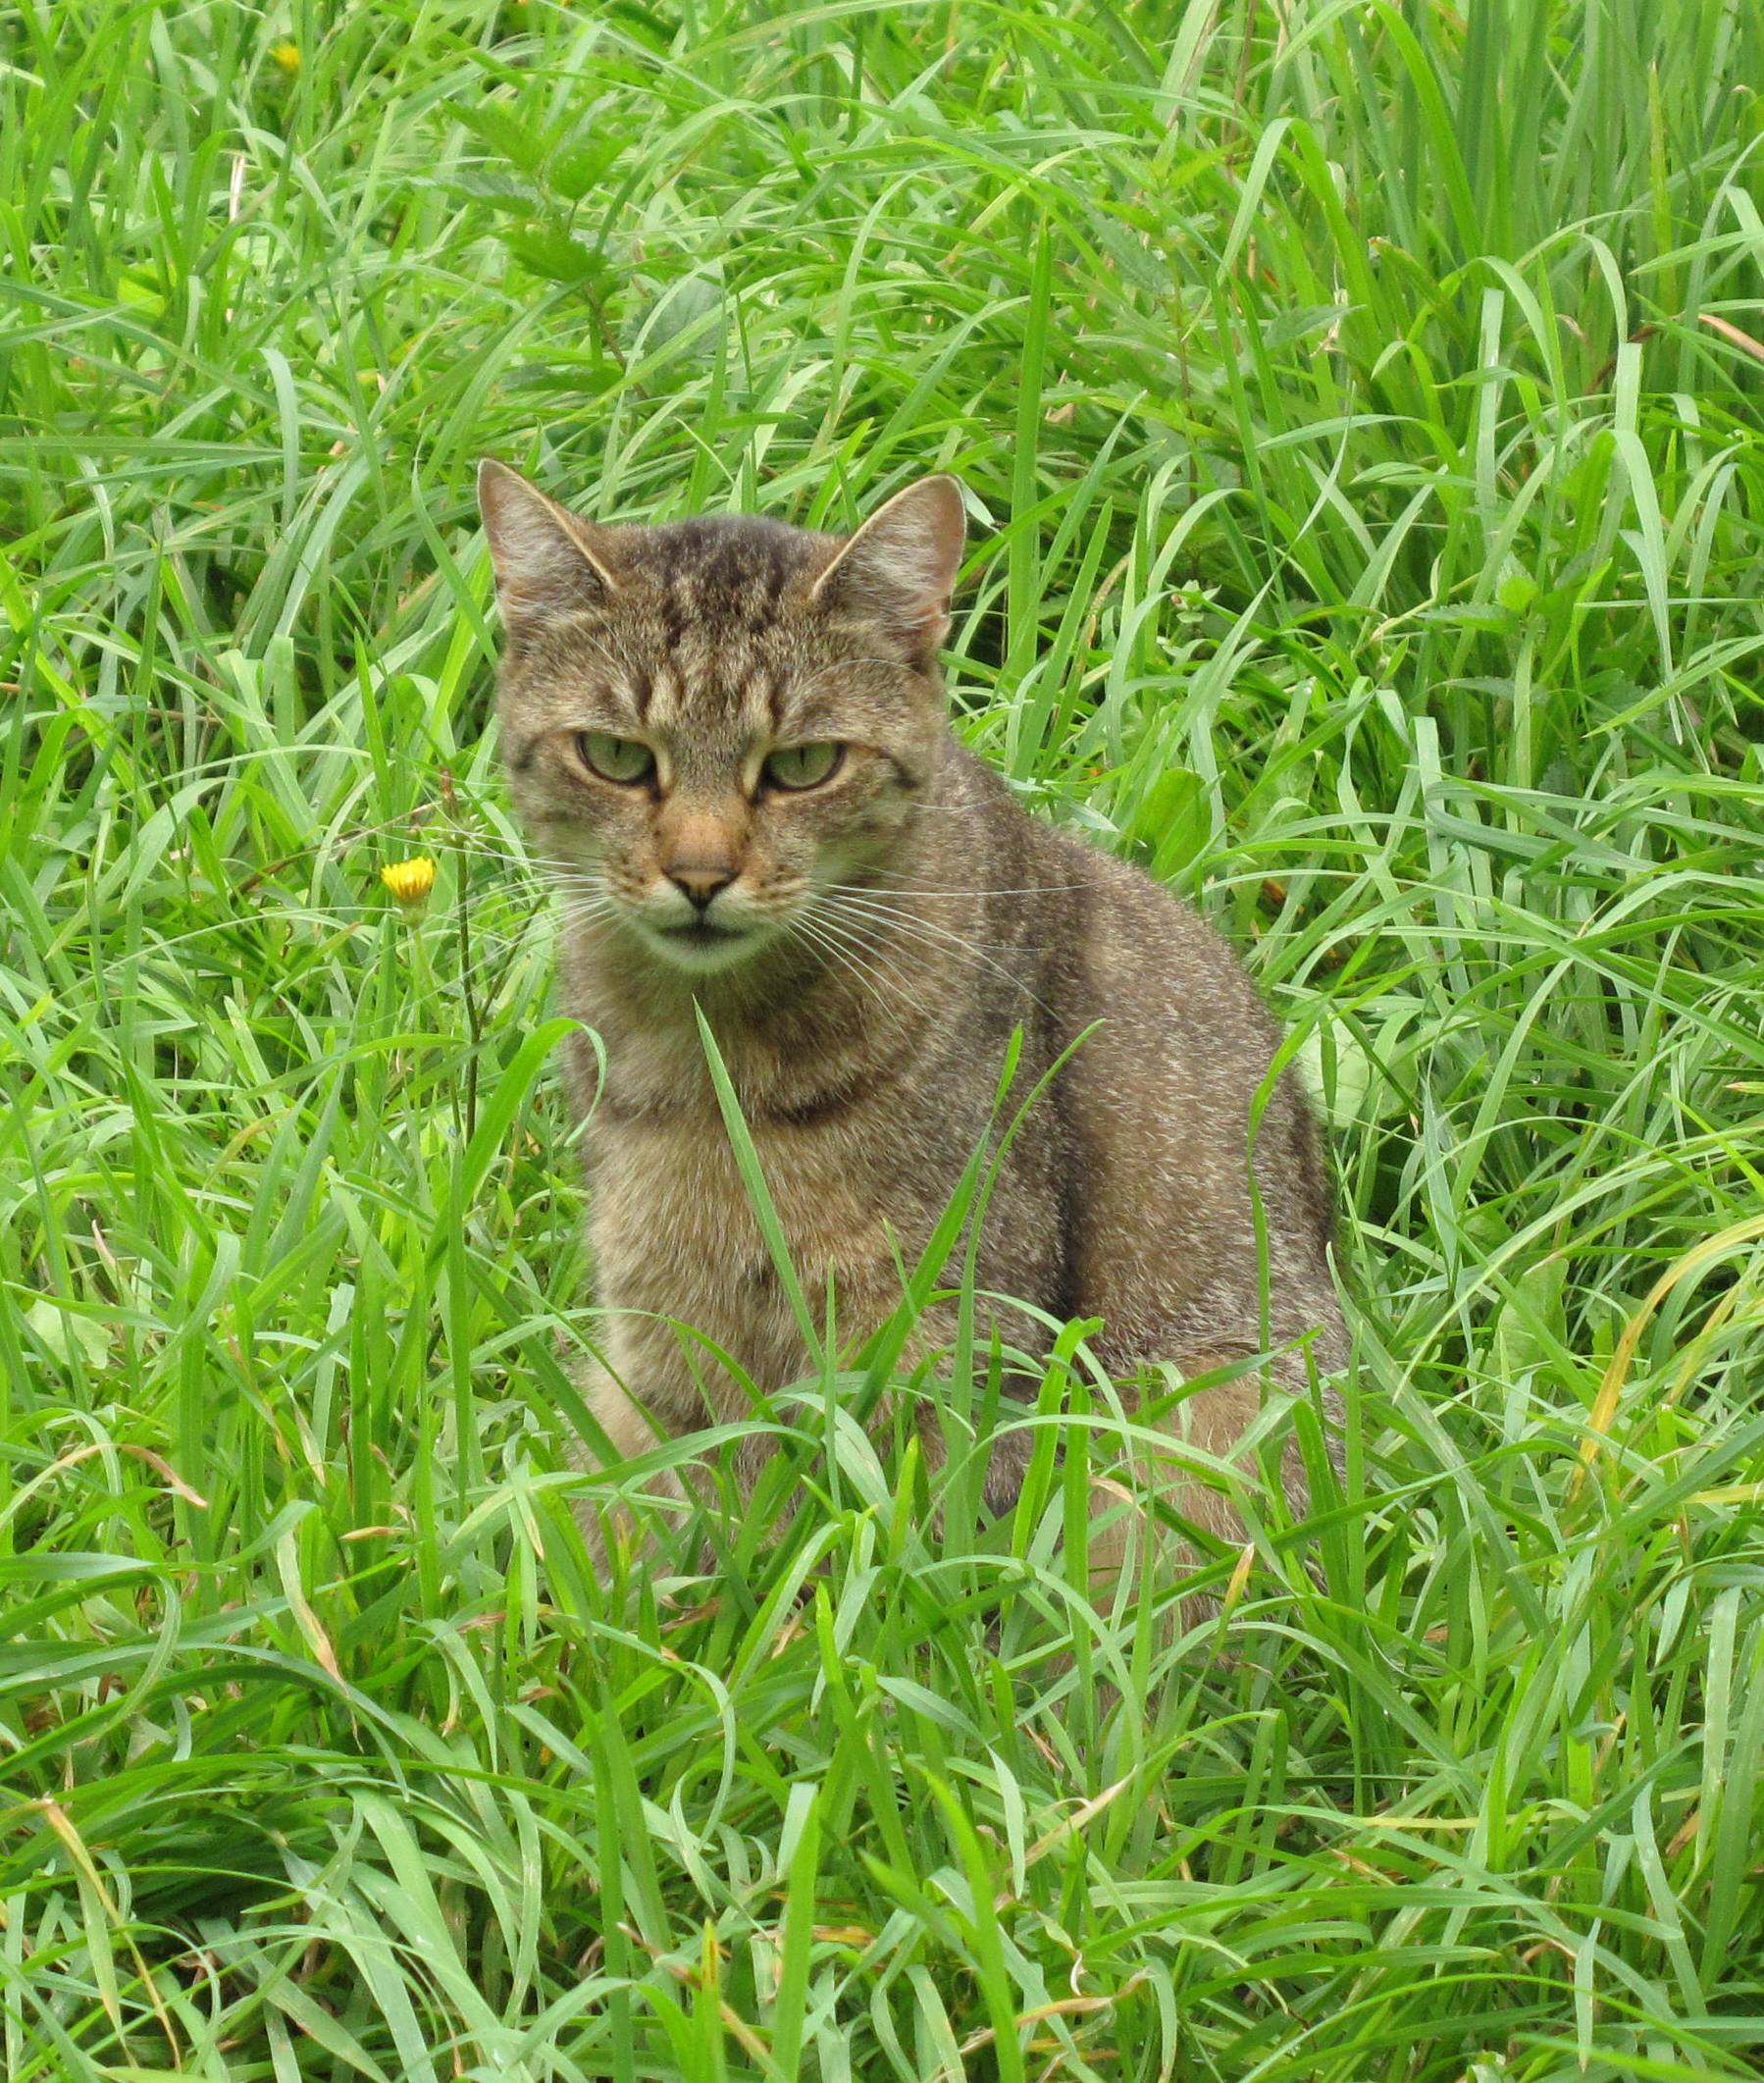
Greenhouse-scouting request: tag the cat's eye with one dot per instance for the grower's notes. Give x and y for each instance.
(799, 766)
(615, 759)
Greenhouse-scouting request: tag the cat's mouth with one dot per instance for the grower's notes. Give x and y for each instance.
(702, 931)
(704, 943)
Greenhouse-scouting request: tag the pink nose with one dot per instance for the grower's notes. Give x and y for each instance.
(699, 880)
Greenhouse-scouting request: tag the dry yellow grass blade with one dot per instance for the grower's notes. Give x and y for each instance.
(1610, 1390)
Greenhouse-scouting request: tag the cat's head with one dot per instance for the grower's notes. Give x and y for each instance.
(713, 721)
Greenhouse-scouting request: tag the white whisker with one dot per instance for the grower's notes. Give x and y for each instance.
(837, 949)
(910, 927)
(845, 937)
(908, 889)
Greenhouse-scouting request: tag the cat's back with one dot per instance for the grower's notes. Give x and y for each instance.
(1116, 946)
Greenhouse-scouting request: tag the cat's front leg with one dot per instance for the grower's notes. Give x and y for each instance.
(605, 1522)
(628, 1426)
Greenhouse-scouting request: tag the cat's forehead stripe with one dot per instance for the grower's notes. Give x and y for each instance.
(758, 711)
(674, 619)
(732, 570)
(662, 708)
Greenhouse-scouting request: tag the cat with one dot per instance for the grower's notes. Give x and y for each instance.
(728, 737)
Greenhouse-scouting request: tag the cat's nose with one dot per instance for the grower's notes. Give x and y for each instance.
(701, 881)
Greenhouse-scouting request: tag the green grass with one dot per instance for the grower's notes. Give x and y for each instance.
(1365, 402)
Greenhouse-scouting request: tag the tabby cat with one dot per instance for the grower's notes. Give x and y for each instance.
(727, 736)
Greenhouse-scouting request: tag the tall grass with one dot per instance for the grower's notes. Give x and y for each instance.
(1363, 406)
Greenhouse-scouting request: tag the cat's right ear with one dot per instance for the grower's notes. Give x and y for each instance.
(900, 568)
(549, 561)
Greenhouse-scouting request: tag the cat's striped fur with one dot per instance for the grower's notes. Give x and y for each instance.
(886, 933)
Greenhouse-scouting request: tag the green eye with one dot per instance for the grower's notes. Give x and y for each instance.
(798, 766)
(615, 759)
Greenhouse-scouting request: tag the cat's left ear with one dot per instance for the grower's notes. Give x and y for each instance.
(900, 568)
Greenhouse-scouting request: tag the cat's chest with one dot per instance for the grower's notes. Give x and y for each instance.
(670, 1211)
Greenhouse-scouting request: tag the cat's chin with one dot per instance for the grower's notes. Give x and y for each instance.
(702, 950)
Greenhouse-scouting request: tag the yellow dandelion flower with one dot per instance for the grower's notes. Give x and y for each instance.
(287, 55)
(410, 881)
